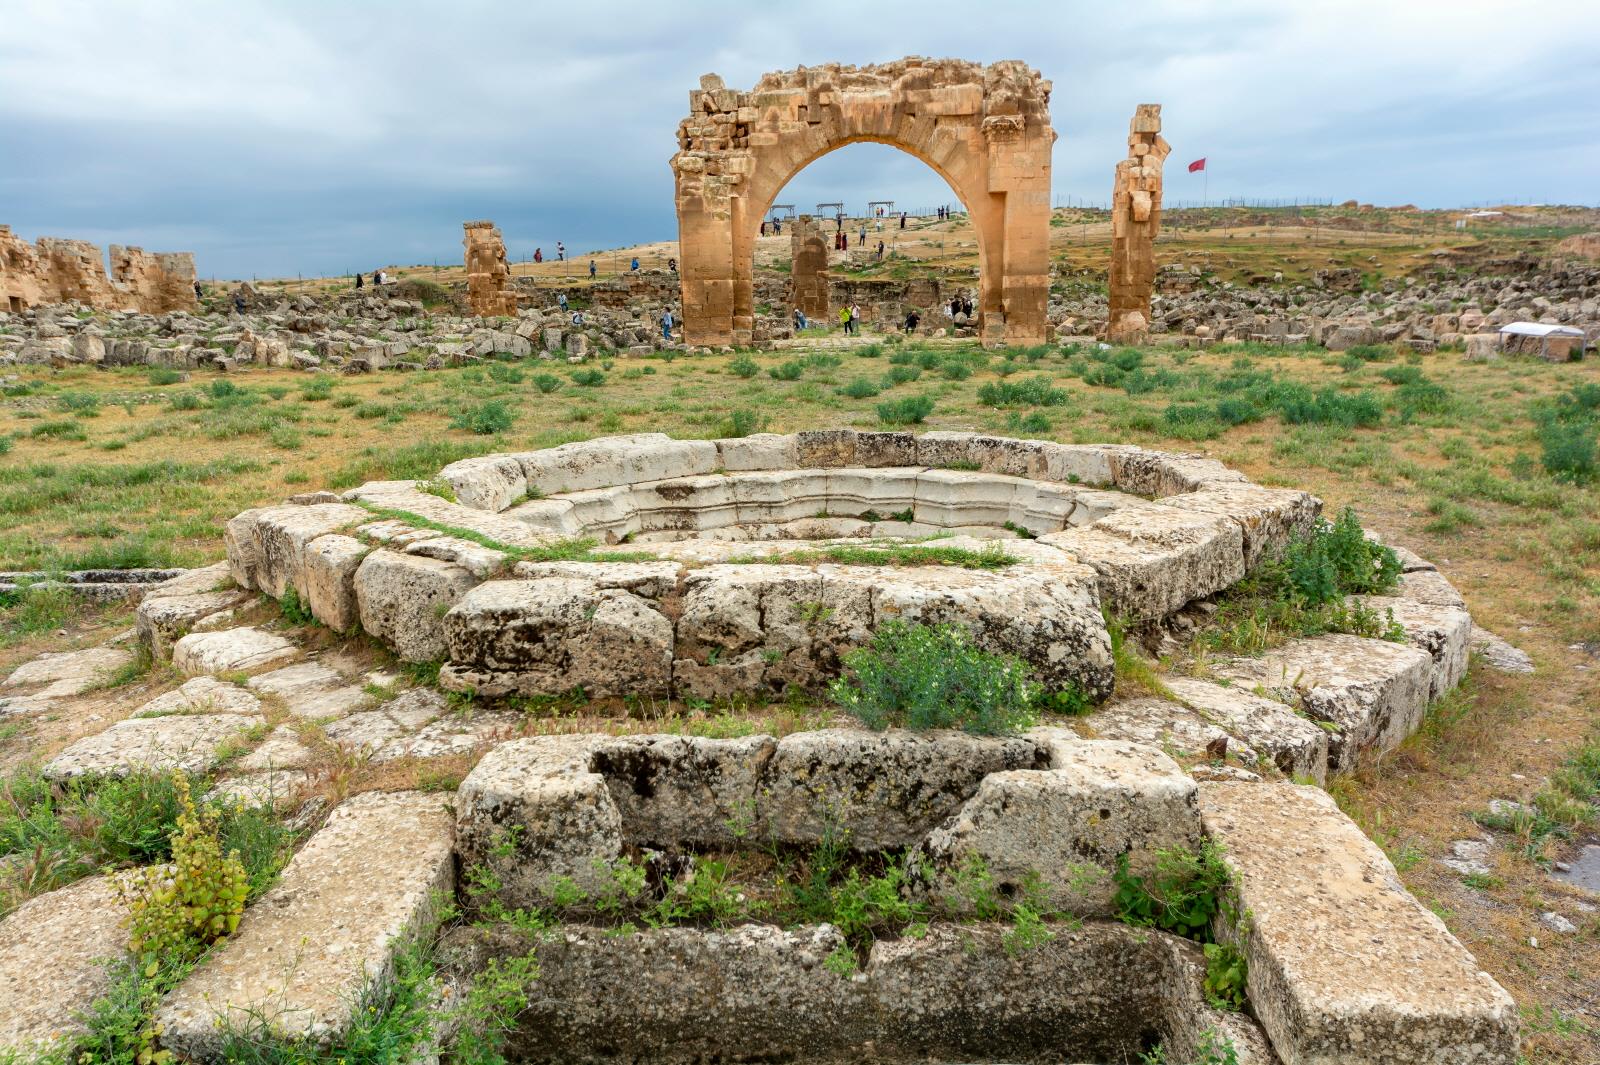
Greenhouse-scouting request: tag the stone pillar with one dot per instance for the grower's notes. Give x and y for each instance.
(808, 276)
(1135, 220)
(488, 273)
(21, 275)
(75, 271)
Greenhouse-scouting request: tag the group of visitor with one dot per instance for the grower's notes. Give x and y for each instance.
(850, 318)
(959, 305)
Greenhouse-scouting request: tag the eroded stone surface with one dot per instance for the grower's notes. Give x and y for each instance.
(403, 599)
(202, 695)
(240, 650)
(190, 742)
(1069, 824)
(308, 948)
(60, 675)
(1373, 692)
(1345, 966)
(311, 690)
(54, 951)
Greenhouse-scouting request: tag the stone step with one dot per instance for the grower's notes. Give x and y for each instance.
(37, 683)
(312, 690)
(325, 933)
(55, 952)
(1344, 965)
(193, 743)
(1373, 692)
(239, 650)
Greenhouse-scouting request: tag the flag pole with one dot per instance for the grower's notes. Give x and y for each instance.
(1205, 194)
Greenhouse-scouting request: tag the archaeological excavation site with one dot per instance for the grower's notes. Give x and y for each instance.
(1007, 632)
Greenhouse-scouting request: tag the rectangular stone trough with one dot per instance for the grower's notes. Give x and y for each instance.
(1095, 993)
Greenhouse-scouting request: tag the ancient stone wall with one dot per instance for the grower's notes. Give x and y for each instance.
(808, 276)
(488, 273)
(158, 282)
(21, 278)
(985, 130)
(68, 271)
(75, 272)
(1135, 219)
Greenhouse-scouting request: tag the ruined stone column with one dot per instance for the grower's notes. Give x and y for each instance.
(155, 283)
(808, 277)
(1135, 220)
(488, 273)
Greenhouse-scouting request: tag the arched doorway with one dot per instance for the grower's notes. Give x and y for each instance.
(985, 130)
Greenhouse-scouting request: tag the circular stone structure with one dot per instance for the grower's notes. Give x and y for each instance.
(644, 565)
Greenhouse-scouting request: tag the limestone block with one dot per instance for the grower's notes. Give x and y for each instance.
(482, 562)
(880, 790)
(825, 447)
(1299, 748)
(780, 495)
(281, 749)
(1431, 587)
(1268, 517)
(649, 579)
(202, 695)
(1069, 824)
(365, 732)
(855, 490)
(1344, 965)
(54, 951)
(192, 743)
(1444, 633)
(533, 810)
(162, 619)
(1153, 559)
(325, 934)
(554, 634)
(330, 564)
(616, 460)
(554, 516)
(940, 449)
(311, 690)
(266, 547)
(404, 497)
(62, 674)
(402, 600)
(231, 651)
(759, 451)
(961, 497)
(677, 790)
(492, 482)
(1374, 693)
(1157, 474)
(684, 504)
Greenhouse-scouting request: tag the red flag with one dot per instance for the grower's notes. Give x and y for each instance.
(1198, 164)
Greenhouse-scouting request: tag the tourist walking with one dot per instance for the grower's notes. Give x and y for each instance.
(844, 319)
(666, 324)
(634, 266)
(799, 320)
(199, 293)
(902, 219)
(855, 318)
(591, 269)
(538, 255)
(863, 243)
(561, 301)
(561, 252)
(880, 251)
(912, 319)
(359, 282)
(672, 265)
(238, 302)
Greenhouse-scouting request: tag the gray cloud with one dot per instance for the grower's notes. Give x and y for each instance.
(295, 136)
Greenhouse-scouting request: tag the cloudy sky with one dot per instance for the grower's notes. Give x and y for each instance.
(326, 136)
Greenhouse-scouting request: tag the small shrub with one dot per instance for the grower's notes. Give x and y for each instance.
(1030, 392)
(744, 366)
(907, 410)
(788, 371)
(860, 388)
(82, 404)
(589, 377)
(1181, 895)
(924, 677)
(316, 389)
(485, 419)
(546, 382)
(173, 915)
(741, 422)
(1299, 406)
(164, 375)
(900, 375)
(506, 375)
(69, 430)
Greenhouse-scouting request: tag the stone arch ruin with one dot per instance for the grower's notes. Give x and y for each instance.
(984, 129)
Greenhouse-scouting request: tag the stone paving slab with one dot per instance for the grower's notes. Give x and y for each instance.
(53, 954)
(231, 651)
(189, 742)
(59, 676)
(312, 690)
(328, 929)
(202, 695)
(1345, 966)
